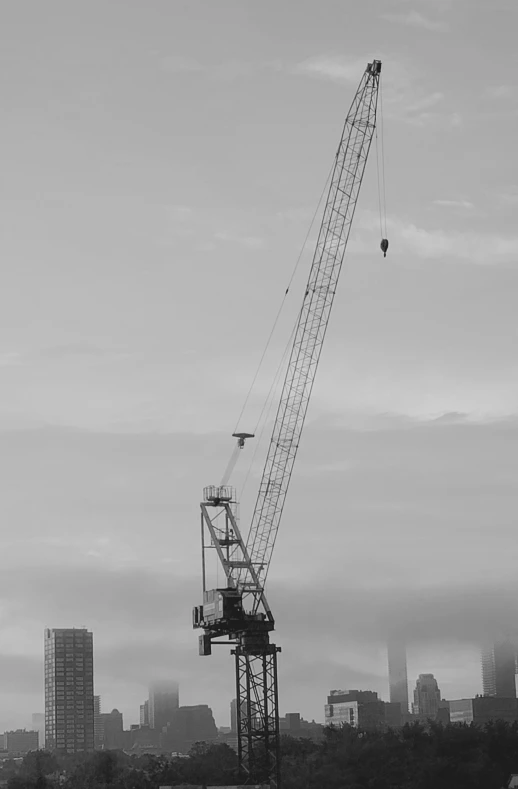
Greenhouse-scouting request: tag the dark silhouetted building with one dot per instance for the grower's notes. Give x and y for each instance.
(112, 730)
(20, 742)
(69, 690)
(295, 726)
(163, 703)
(483, 709)
(398, 679)
(189, 725)
(427, 696)
(498, 669)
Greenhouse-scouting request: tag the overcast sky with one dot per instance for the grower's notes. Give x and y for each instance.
(161, 162)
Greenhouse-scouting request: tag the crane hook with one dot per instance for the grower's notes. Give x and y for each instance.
(384, 246)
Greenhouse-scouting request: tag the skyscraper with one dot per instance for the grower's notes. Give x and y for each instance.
(163, 703)
(498, 669)
(69, 690)
(427, 696)
(398, 679)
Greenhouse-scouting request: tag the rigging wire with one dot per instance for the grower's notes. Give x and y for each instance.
(382, 188)
(379, 184)
(268, 403)
(293, 273)
(383, 157)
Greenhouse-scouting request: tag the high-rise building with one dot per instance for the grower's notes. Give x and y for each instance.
(144, 714)
(69, 690)
(398, 679)
(163, 703)
(427, 696)
(498, 669)
(38, 724)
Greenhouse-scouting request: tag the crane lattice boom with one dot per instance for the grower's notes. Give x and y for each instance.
(313, 320)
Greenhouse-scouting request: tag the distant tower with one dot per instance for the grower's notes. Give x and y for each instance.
(144, 714)
(427, 696)
(498, 669)
(69, 690)
(398, 680)
(163, 703)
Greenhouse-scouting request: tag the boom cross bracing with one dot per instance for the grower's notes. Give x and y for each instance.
(239, 611)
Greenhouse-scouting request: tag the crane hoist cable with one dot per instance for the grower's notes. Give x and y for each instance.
(281, 307)
(382, 191)
(235, 452)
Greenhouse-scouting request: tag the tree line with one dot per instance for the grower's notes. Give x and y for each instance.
(414, 757)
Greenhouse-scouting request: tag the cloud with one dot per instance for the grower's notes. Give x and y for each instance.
(484, 249)
(454, 203)
(10, 359)
(251, 242)
(415, 19)
(501, 91)
(385, 494)
(336, 68)
(425, 102)
(178, 64)
(404, 96)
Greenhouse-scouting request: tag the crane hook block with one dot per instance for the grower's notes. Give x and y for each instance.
(241, 438)
(384, 246)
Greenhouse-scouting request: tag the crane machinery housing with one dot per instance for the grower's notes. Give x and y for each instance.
(238, 611)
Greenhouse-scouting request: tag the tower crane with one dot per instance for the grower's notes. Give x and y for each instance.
(238, 610)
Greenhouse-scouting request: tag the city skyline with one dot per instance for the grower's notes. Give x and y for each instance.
(157, 188)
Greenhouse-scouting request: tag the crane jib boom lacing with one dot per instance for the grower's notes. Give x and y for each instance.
(313, 319)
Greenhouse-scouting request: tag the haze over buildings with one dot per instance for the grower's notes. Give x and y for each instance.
(398, 679)
(499, 668)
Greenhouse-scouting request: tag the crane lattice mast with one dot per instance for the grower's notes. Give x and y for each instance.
(239, 611)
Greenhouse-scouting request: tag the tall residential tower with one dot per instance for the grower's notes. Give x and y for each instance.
(163, 703)
(69, 690)
(498, 669)
(398, 680)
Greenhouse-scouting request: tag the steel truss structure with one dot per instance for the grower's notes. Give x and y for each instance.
(239, 610)
(258, 716)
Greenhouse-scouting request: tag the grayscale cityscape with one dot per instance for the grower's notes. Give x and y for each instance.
(259, 394)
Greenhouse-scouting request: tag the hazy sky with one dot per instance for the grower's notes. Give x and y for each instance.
(161, 162)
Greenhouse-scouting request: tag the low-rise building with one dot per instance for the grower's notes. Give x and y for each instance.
(362, 709)
(20, 742)
(483, 709)
(295, 726)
